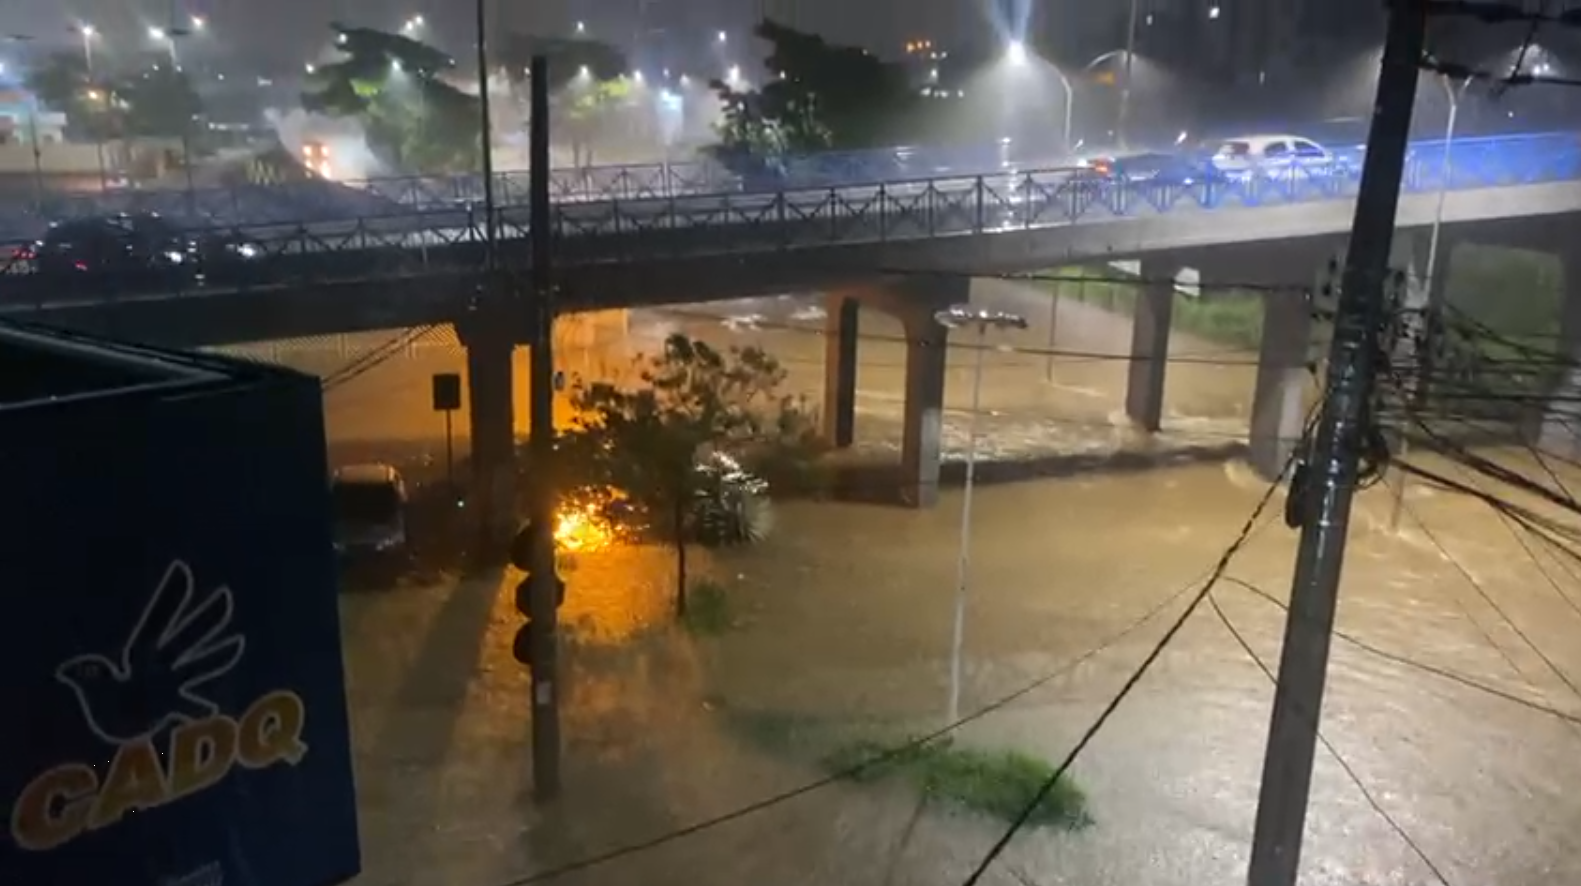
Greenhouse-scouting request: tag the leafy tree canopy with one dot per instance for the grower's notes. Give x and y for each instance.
(823, 96)
(394, 86)
(152, 99)
(159, 102)
(566, 57)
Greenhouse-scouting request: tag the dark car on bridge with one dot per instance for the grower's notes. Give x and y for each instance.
(137, 251)
(1164, 168)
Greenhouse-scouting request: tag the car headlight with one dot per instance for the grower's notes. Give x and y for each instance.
(175, 257)
(247, 250)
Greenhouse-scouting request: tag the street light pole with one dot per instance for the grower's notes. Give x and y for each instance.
(87, 33)
(957, 317)
(1070, 101)
(1430, 307)
(1125, 89)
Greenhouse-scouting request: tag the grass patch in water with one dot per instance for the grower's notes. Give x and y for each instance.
(999, 784)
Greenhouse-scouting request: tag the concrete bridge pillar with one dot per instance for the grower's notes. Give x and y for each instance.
(914, 301)
(922, 438)
(843, 313)
(1144, 391)
(1559, 425)
(1278, 397)
(490, 401)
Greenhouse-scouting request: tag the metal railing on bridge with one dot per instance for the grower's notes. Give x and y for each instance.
(450, 241)
(316, 200)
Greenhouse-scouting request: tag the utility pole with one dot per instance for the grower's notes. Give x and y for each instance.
(1334, 460)
(545, 588)
(1125, 89)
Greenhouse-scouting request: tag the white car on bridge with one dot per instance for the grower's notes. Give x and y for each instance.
(1274, 156)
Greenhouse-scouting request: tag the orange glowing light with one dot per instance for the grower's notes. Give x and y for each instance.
(581, 528)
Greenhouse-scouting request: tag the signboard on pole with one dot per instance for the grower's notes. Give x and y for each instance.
(171, 643)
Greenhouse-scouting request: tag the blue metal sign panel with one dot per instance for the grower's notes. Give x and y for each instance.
(174, 702)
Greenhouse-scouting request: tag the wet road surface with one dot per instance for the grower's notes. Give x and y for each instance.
(843, 628)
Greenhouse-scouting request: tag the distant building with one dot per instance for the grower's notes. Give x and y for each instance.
(24, 122)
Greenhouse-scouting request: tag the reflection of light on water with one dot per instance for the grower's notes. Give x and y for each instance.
(615, 589)
(580, 527)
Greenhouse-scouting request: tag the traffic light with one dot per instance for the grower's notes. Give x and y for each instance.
(521, 558)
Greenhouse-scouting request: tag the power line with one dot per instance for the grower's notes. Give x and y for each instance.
(1339, 758)
(1405, 661)
(1488, 598)
(891, 753)
(1071, 355)
(1219, 568)
(1130, 279)
(374, 358)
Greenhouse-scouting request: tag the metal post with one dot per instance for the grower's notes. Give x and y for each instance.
(1303, 663)
(1121, 125)
(38, 153)
(450, 452)
(544, 593)
(486, 123)
(1070, 102)
(1421, 387)
(963, 563)
(98, 133)
(957, 317)
(1048, 358)
(186, 119)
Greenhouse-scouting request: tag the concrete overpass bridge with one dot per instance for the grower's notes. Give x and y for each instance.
(907, 247)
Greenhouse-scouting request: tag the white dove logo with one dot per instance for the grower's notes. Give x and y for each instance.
(176, 646)
(151, 704)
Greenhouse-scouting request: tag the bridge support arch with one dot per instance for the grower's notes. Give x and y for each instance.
(490, 349)
(913, 301)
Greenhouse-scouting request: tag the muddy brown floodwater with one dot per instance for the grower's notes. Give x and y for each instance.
(842, 628)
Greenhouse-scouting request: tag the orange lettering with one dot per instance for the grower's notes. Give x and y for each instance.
(135, 782)
(271, 731)
(201, 753)
(53, 808)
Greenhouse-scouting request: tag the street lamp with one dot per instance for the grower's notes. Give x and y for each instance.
(88, 32)
(723, 37)
(1127, 75)
(1016, 53)
(961, 317)
(1454, 92)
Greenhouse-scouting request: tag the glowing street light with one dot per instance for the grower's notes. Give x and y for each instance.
(1213, 12)
(581, 27)
(723, 37)
(310, 68)
(199, 23)
(158, 34)
(584, 72)
(637, 78)
(1016, 52)
(734, 74)
(968, 317)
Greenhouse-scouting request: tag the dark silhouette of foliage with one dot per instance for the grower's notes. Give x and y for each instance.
(394, 85)
(818, 96)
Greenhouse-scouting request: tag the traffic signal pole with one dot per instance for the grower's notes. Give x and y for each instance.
(1335, 458)
(544, 590)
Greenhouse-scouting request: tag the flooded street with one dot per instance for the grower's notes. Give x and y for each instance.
(841, 628)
